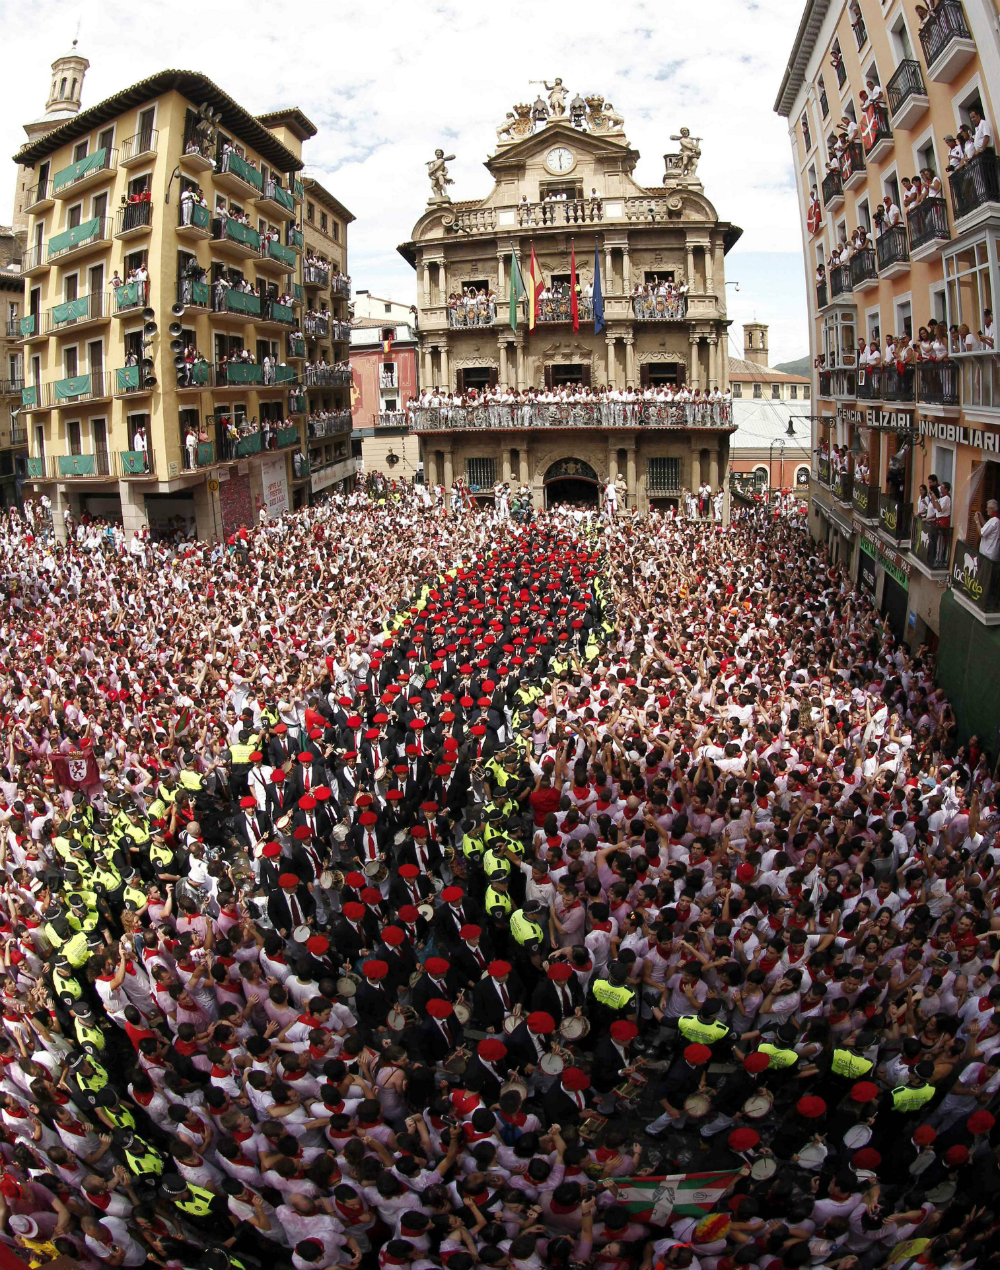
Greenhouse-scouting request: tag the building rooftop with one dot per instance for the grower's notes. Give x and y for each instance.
(744, 370)
(759, 422)
(802, 49)
(327, 199)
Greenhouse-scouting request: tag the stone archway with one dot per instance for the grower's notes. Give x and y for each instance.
(572, 481)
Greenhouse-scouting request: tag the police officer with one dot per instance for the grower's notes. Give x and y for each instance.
(612, 999)
(89, 1077)
(89, 1034)
(703, 1028)
(199, 1207)
(143, 1161)
(529, 938)
(496, 901)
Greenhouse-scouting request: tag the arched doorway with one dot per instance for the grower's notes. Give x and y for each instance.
(572, 481)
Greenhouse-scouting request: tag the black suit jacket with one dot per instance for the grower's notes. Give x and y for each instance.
(487, 1005)
(547, 997)
(435, 1045)
(280, 913)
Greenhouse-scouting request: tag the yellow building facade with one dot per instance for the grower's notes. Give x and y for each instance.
(163, 243)
(924, 76)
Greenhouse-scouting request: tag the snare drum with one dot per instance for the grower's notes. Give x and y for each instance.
(301, 933)
(372, 868)
(462, 1012)
(697, 1106)
(812, 1155)
(396, 1020)
(758, 1104)
(763, 1168)
(426, 911)
(573, 1028)
(857, 1136)
(346, 987)
(515, 1085)
(510, 1023)
(551, 1064)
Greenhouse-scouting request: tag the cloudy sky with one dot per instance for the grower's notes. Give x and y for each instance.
(387, 82)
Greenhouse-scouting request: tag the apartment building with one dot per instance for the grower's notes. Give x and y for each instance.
(384, 378)
(13, 436)
(162, 342)
(872, 92)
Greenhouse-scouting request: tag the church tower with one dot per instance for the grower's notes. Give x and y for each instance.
(63, 101)
(755, 342)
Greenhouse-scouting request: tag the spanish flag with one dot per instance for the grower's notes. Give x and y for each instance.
(387, 342)
(535, 285)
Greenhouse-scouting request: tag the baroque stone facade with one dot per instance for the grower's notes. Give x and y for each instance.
(562, 186)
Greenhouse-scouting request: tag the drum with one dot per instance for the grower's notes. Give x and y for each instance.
(301, 933)
(415, 978)
(372, 868)
(426, 911)
(400, 837)
(396, 1020)
(455, 1064)
(326, 880)
(551, 1064)
(812, 1155)
(763, 1168)
(511, 1022)
(339, 833)
(697, 1106)
(573, 1028)
(758, 1104)
(857, 1136)
(462, 1012)
(515, 1085)
(592, 1127)
(346, 987)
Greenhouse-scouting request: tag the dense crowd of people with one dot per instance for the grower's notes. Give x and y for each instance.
(392, 885)
(576, 394)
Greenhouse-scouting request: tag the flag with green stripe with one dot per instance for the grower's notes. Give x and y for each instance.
(657, 1199)
(517, 291)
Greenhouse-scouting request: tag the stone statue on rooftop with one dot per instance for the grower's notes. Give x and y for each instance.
(690, 153)
(439, 178)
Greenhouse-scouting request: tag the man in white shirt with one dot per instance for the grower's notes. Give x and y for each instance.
(982, 138)
(989, 531)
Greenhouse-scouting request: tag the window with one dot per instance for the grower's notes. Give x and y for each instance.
(969, 289)
(775, 392)
(944, 463)
(758, 390)
(824, 105)
(806, 138)
(904, 318)
(74, 216)
(335, 230)
(105, 138)
(388, 308)
(737, 389)
(481, 473)
(664, 475)
(323, 220)
(760, 475)
(793, 392)
(80, 151)
(805, 392)
(310, 212)
(73, 437)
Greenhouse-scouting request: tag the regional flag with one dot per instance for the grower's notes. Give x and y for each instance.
(517, 291)
(657, 1199)
(75, 770)
(535, 285)
(598, 293)
(574, 303)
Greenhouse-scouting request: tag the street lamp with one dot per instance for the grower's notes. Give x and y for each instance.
(779, 441)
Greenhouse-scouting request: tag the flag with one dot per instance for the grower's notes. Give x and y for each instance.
(75, 770)
(657, 1199)
(869, 127)
(574, 303)
(598, 296)
(183, 721)
(535, 285)
(516, 290)
(387, 342)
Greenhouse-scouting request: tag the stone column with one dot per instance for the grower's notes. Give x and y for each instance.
(709, 271)
(445, 369)
(519, 345)
(713, 467)
(503, 361)
(694, 341)
(133, 506)
(626, 271)
(630, 478)
(442, 283)
(505, 463)
(608, 272)
(449, 470)
(713, 361)
(630, 365)
(695, 465)
(426, 272)
(690, 267)
(612, 459)
(612, 361)
(500, 283)
(428, 371)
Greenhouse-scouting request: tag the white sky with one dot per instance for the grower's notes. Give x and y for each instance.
(387, 81)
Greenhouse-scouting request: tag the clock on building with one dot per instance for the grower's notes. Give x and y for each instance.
(559, 160)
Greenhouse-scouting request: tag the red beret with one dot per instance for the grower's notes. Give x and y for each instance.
(375, 969)
(497, 969)
(560, 971)
(277, 775)
(322, 793)
(623, 1030)
(307, 802)
(272, 850)
(409, 913)
(575, 1078)
(541, 1023)
(864, 1091)
(452, 894)
(248, 801)
(287, 880)
(352, 910)
(371, 896)
(490, 1050)
(697, 1054)
(756, 1062)
(367, 818)
(811, 1107)
(470, 931)
(409, 871)
(392, 936)
(437, 966)
(924, 1135)
(743, 1139)
(956, 1155)
(317, 944)
(304, 756)
(866, 1158)
(302, 832)
(980, 1121)
(438, 1008)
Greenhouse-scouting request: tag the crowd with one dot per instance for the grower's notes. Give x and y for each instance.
(473, 307)
(372, 879)
(577, 394)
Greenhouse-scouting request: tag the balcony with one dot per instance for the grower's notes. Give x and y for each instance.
(557, 309)
(843, 485)
(30, 328)
(74, 390)
(870, 383)
(927, 225)
(296, 401)
(137, 464)
(18, 436)
(315, 326)
(478, 315)
(132, 219)
(341, 285)
(840, 281)
(296, 349)
(238, 177)
(841, 72)
(876, 132)
(193, 376)
(129, 297)
(79, 176)
(194, 221)
(388, 381)
(280, 313)
(194, 294)
(864, 500)
(74, 467)
(234, 238)
(597, 414)
(864, 275)
(974, 190)
(894, 517)
(976, 578)
(86, 310)
(278, 257)
(946, 41)
(558, 211)
(326, 377)
(821, 296)
(931, 544)
(315, 276)
(91, 235)
(824, 471)
(39, 197)
(860, 32)
(36, 397)
(852, 166)
(277, 201)
(906, 94)
(981, 381)
(11, 387)
(340, 331)
(845, 383)
(938, 383)
(238, 375)
(898, 386)
(130, 381)
(200, 455)
(244, 305)
(651, 308)
(282, 375)
(391, 419)
(825, 383)
(197, 156)
(833, 189)
(293, 237)
(34, 261)
(892, 252)
(139, 148)
(332, 423)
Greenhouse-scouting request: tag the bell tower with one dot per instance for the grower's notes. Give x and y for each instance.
(755, 342)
